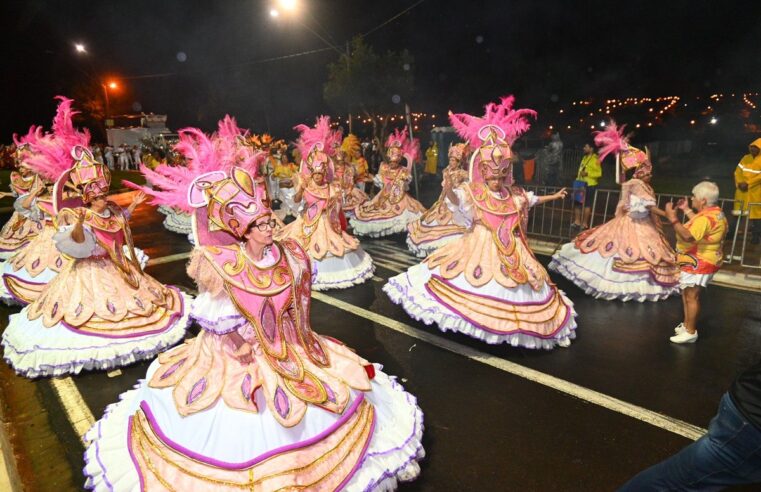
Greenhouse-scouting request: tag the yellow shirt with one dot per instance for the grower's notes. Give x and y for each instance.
(591, 164)
(705, 255)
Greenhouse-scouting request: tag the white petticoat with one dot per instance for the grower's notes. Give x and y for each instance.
(334, 272)
(380, 228)
(45, 276)
(230, 435)
(408, 290)
(34, 350)
(694, 279)
(596, 276)
(177, 222)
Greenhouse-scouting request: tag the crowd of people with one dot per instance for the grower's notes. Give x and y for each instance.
(259, 398)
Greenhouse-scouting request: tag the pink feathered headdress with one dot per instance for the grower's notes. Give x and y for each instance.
(226, 149)
(613, 141)
(398, 144)
(492, 135)
(317, 146)
(52, 152)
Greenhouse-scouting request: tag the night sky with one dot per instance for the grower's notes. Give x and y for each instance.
(466, 53)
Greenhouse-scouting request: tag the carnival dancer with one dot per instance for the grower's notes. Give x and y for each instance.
(19, 229)
(392, 208)
(627, 258)
(488, 284)
(337, 257)
(29, 270)
(101, 311)
(436, 227)
(345, 176)
(257, 401)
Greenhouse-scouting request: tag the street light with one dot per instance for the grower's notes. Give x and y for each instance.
(106, 86)
(288, 4)
(274, 13)
(80, 48)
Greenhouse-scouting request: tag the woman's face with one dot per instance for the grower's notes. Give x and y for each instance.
(454, 162)
(99, 203)
(260, 232)
(319, 178)
(495, 184)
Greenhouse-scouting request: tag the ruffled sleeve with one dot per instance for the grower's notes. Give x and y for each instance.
(462, 213)
(31, 213)
(68, 246)
(531, 198)
(216, 313)
(639, 206)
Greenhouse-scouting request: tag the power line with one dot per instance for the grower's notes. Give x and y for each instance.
(219, 69)
(331, 46)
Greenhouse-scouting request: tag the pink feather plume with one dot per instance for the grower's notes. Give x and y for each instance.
(319, 133)
(203, 154)
(52, 151)
(410, 147)
(514, 122)
(611, 140)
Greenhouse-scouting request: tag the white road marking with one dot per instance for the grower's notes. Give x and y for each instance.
(619, 406)
(77, 412)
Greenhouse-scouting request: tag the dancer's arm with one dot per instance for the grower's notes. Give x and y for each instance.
(555, 196)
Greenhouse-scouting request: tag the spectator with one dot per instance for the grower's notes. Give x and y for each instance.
(700, 253)
(726, 455)
(748, 189)
(553, 159)
(109, 154)
(431, 158)
(136, 156)
(590, 171)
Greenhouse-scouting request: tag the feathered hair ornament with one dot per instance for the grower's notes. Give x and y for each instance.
(613, 141)
(398, 144)
(226, 149)
(317, 146)
(491, 135)
(52, 152)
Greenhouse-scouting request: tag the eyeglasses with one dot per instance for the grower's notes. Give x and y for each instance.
(263, 226)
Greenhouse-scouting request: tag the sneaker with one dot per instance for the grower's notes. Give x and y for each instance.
(679, 329)
(685, 337)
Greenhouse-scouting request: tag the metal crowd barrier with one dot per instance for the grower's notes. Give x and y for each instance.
(553, 220)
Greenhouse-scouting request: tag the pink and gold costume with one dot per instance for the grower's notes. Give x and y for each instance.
(337, 257)
(626, 258)
(20, 229)
(299, 411)
(487, 283)
(345, 177)
(436, 227)
(392, 208)
(101, 311)
(29, 269)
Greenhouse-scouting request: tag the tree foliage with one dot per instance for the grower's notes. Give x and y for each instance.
(369, 84)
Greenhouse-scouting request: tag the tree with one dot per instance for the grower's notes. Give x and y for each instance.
(372, 85)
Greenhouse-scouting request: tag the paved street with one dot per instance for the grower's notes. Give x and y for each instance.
(587, 417)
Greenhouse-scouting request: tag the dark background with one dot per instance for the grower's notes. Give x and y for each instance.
(466, 53)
